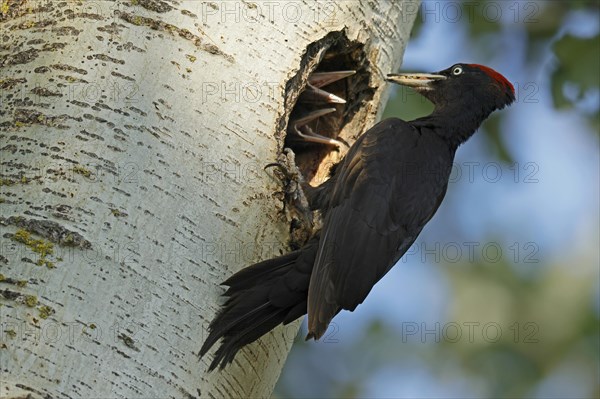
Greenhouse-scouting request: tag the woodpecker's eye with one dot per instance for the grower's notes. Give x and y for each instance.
(457, 70)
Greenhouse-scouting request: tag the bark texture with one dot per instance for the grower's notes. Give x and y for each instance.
(133, 140)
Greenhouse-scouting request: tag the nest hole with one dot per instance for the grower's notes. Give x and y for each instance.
(335, 52)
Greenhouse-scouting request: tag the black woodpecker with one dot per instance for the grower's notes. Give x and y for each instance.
(379, 198)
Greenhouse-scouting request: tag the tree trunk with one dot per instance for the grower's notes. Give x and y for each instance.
(133, 137)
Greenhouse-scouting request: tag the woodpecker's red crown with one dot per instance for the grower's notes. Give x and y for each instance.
(496, 76)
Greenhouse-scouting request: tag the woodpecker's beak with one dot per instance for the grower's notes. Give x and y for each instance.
(420, 81)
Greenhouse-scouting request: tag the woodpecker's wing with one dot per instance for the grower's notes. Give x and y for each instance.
(380, 202)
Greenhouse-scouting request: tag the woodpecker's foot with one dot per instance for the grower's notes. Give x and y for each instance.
(293, 181)
(299, 129)
(295, 204)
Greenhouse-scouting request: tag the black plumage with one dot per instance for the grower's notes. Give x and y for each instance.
(379, 198)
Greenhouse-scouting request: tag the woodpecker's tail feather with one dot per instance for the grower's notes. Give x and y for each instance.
(261, 297)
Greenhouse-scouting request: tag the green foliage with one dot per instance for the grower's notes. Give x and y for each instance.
(544, 319)
(579, 63)
(495, 141)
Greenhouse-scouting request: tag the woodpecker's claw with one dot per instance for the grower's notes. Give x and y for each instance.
(292, 179)
(295, 203)
(281, 168)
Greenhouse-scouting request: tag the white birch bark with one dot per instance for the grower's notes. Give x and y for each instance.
(133, 137)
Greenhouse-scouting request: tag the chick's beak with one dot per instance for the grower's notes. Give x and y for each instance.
(416, 80)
